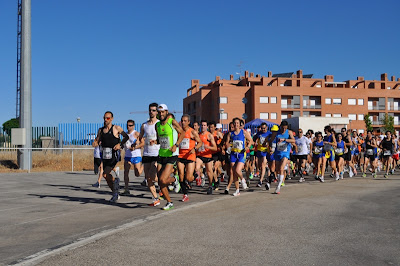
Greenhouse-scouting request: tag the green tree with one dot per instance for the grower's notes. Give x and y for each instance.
(388, 123)
(8, 125)
(368, 123)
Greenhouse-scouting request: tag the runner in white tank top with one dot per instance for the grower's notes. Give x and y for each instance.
(132, 155)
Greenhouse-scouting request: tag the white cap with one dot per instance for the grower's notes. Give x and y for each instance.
(162, 107)
(219, 125)
(248, 130)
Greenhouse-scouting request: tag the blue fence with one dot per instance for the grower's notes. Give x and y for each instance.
(37, 133)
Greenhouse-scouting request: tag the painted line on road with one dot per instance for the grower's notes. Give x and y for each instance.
(42, 255)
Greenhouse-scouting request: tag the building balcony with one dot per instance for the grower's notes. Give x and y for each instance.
(317, 106)
(290, 106)
(377, 107)
(377, 123)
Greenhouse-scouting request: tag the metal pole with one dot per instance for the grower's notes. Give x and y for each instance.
(72, 160)
(25, 158)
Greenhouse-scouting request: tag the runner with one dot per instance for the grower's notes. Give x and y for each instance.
(216, 155)
(109, 137)
(187, 155)
(98, 165)
(339, 154)
(317, 147)
(387, 145)
(261, 142)
(238, 155)
(371, 155)
(303, 144)
(270, 157)
(329, 146)
(204, 155)
(167, 136)
(133, 155)
(226, 151)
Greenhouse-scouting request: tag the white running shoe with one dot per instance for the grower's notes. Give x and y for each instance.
(337, 176)
(237, 193)
(244, 185)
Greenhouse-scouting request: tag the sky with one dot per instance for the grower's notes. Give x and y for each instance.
(89, 56)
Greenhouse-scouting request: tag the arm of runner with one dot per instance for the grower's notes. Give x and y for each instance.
(196, 137)
(139, 142)
(141, 135)
(124, 140)
(181, 133)
(249, 139)
(291, 138)
(213, 146)
(228, 140)
(334, 141)
(97, 139)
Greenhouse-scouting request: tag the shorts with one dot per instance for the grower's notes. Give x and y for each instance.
(238, 157)
(205, 159)
(330, 155)
(347, 156)
(185, 161)
(133, 160)
(97, 161)
(227, 158)
(167, 160)
(217, 157)
(149, 159)
(337, 157)
(371, 157)
(251, 158)
(301, 157)
(280, 156)
(261, 154)
(317, 156)
(110, 162)
(270, 157)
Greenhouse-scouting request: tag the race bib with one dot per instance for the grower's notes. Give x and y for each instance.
(370, 152)
(317, 150)
(282, 146)
(299, 148)
(184, 144)
(327, 147)
(201, 149)
(386, 153)
(339, 150)
(107, 153)
(273, 147)
(165, 143)
(237, 145)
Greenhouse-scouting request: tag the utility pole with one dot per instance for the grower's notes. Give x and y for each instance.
(25, 120)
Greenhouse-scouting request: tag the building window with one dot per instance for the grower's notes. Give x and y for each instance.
(337, 100)
(284, 116)
(361, 117)
(273, 115)
(223, 116)
(328, 101)
(264, 99)
(328, 115)
(361, 131)
(360, 101)
(223, 99)
(273, 99)
(351, 101)
(352, 117)
(337, 115)
(264, 116)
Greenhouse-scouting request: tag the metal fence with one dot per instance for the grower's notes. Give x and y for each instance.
(37, 134)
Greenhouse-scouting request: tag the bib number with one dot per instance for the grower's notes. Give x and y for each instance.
(107, 153)
(201, 149)
(299, 148)
(386, 153)
(370, 152)
(339, 151)
(237, 145)
(318, 150)
(149, 140)
(327, 147)
(184, 144)
(165, 143)
(282, 146)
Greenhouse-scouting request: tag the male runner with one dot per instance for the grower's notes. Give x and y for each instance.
(261, 139)
(167, 136)
(216, 156)
(109, 137)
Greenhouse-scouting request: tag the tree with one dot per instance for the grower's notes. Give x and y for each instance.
(388, 123)
(8, 125)
(368, 123)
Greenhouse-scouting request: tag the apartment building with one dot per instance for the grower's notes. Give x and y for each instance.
(280, 96)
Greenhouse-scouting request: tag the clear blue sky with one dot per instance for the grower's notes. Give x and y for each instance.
(89, 56)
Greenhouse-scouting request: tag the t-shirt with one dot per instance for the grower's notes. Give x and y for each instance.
(303, 145)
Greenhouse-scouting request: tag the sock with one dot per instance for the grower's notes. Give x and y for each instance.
(184, 188)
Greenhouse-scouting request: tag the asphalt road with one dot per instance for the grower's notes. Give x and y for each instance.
(59, 219)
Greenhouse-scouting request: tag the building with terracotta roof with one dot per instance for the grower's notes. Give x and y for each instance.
(281, 96)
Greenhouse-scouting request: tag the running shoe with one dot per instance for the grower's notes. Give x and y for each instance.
(248, 183)
(391, 171)
(117, 172)
(244, 185)
(374, 175)
(203, 181)
(385, 176)
(198, 181)
(364, 175)
(177, 187)
(267, 186)
(169, 206)
(322, 179)
(332, 176)
(251, 176)
(226, 192)
(126, 192)
(277, 192)
(259, 184)
(341, 175)
(161, 195)
(96, 185)
(316, 177)
(222, 177)
(115, 197)
(337, 176)
(283, 184)
(155, 202)
(301, 179)
(185, 198)
(170, 187)
(237, 193)
(209, 190)
(144, 183)
(216, 185)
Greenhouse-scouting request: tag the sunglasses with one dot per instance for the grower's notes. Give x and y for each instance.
(153, 110)
(130, 125)
(300, 131)
(107, 118)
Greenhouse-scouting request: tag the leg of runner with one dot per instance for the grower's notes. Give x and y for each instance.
(127, 167)
(210, 175)
(262, 166)
(237, 175)
(165, 179)
(280, 166)
(150, 172)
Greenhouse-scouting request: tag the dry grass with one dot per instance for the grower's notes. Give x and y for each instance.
(50, 161)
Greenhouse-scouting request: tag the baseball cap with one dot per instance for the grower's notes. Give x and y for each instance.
(162, 107)
(219, 125)
(274, 128)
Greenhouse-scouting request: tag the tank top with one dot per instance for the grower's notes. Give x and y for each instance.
(187, 145)
(217, 141)
(387, 146)
(339, 148)
(108, 141)
(328, 147)
(238, 141)
(261, 139)
(150, 136)
(132, 141)
(202, 152)
(369, 150)
(167, 136)
(282, 148)
(318, 147)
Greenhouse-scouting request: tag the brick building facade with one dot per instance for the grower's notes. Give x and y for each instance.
(280, 96)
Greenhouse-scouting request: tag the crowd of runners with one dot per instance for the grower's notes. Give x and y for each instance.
(178, 155)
